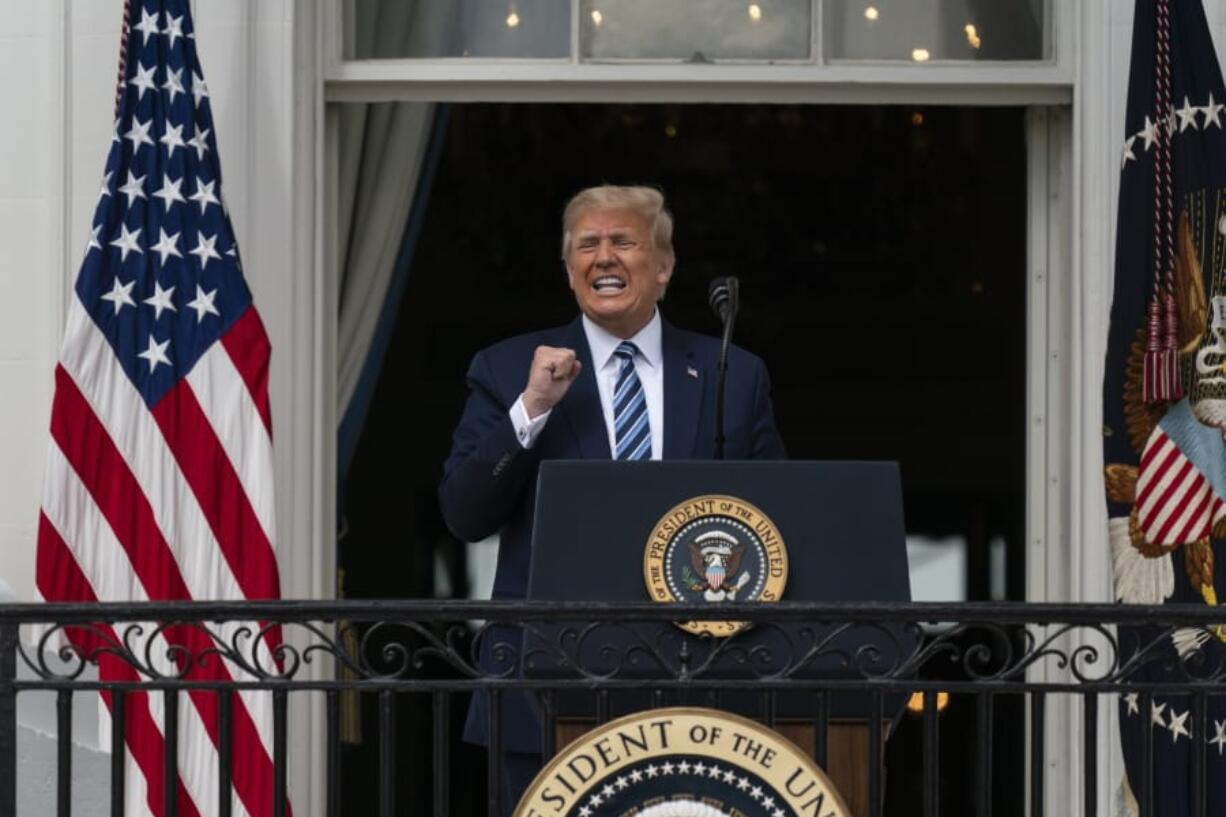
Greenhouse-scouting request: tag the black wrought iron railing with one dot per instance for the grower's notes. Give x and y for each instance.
(589, 662)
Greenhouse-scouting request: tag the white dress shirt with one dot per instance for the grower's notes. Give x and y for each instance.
(648, 365)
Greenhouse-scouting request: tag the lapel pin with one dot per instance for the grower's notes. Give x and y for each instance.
(692, 372)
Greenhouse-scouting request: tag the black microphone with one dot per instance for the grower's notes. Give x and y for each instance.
(721, 294)
(724, 295)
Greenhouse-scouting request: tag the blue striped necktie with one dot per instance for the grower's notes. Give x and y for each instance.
(632, 431)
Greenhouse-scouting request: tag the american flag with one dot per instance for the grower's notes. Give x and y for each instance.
(159, 474)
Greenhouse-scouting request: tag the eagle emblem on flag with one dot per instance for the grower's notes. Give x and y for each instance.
(1164, 396)
(1175, 490)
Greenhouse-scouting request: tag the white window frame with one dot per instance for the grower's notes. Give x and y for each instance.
(1042, 82)
(1070, 187)
(1041, 86)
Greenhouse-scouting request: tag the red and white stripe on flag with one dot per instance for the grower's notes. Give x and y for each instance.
(159, 473)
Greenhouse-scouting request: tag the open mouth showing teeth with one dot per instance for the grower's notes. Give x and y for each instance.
(608, 283)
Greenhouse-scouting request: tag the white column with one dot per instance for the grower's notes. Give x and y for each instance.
(1073, 562)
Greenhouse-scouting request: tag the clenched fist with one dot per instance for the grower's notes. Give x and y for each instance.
(552, 372)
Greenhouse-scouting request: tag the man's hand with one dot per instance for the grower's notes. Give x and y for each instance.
(552, 372)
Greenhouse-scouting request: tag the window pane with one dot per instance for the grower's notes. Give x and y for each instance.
(921, 30)
(937, 566)
(699, 32)
(391, 29)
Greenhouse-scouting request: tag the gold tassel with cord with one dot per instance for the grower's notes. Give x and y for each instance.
(1210, 596)
(1198, 562)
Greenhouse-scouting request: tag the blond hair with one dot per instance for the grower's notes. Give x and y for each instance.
(646, 201)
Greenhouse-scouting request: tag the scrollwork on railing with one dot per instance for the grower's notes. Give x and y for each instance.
(1022, 648)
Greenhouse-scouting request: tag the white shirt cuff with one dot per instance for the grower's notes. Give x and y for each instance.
(526, 431)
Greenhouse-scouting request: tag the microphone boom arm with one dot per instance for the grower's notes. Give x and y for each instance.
(726, 306)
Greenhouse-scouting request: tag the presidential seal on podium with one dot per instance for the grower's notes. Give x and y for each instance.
(718, 549)
(681, 762)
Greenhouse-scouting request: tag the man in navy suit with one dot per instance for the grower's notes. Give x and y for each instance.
(562, 394)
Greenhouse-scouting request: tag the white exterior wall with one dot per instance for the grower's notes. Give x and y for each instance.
(32, 204)
(261, 60)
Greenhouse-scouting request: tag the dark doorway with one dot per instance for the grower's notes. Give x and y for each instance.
(881, 252)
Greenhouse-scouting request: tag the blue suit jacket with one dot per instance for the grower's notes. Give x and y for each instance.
(489, 480)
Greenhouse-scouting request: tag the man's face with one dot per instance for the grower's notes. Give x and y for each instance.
(614, 270)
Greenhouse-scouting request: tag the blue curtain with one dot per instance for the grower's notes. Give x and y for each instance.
(354, 419)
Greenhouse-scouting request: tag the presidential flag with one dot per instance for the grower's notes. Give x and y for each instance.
(1164, 397)
(159, 473)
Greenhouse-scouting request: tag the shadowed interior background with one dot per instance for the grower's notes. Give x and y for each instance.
(881, 252)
